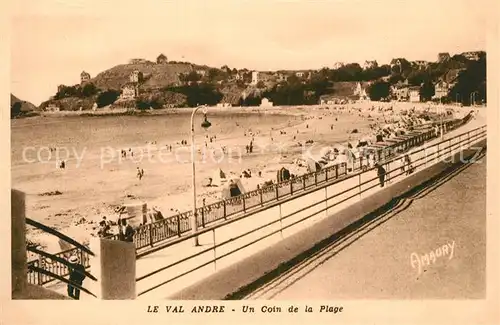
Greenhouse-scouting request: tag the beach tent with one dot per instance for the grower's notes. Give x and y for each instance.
(313, 165)
(219, 177)
(232, 188)
(283, 175)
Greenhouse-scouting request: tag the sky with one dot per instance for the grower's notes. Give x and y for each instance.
(53, 41)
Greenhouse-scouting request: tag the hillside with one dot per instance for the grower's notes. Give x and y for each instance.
(156, 76)
(163, 84)
(25, 106)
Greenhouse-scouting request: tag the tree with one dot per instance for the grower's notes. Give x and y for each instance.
(469, 81)
(67, 91)
(89, 90)
(192, 76)
(15, 109)
(427, 91)
(379, 90)
(261, 84)
(107, 97)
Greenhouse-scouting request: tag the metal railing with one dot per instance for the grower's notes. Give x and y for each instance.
(420, 159)
(49, 267)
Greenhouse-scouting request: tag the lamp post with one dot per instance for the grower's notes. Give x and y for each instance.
(205, 124)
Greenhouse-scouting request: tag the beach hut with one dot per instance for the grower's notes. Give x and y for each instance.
(137, 213)
(219, 177)
(283, 175)
(313, 165)
(232, 188)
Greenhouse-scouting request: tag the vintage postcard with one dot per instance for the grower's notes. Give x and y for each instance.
(251, 161)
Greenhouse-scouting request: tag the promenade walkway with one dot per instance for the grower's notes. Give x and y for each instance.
(156, 260)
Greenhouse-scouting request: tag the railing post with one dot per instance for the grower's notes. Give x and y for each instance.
(243, 199)
(224, 205)
(326, 175)
(304, 182)
(82, 258)
(150, 234)
(39, 275)
(336, 171)
(277, 193)
(291, 187)
(260, 196)
(179, 225)
(316, 179)
(203, 216)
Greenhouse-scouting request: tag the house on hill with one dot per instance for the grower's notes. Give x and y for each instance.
(473, 56)
(136, 76)
(266, 103)
(421, 64)
(370, 65)
(255, 77)
(129, 91)
(161, 59)
(400, 91)
(396, 62)
(441, 89)
(345, 91)
(443, 56)
(445, 83)
(414, 94)
(360, 91)
(84, 77)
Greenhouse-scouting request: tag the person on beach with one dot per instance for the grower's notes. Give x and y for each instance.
(409, 167)
(381, 173)
(127, 232)
(76, 275)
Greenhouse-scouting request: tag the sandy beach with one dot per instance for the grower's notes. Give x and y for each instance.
(97, 178)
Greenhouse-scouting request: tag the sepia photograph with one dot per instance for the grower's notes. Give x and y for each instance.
(271, 151)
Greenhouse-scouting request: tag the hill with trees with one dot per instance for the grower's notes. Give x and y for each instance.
(170, 83)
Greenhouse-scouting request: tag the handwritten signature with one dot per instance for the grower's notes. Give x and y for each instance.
(419, 261)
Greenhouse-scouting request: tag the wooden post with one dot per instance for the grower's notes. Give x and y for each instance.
(224, 204)
(243, 199)
(291, 187)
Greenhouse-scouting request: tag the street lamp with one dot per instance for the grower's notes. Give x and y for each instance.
(205, 124)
